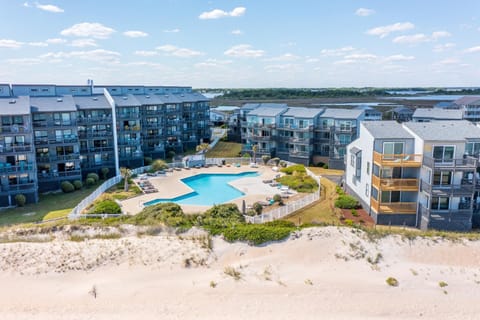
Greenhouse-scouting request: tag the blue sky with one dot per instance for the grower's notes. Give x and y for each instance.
(250, 43)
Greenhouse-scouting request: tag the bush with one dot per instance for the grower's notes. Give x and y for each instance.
(277, 198)
(265, 159)
(106, 206)
(257, 207)
(158, 165)
(339, 190)
(346, 202)
(257, 234)
(147, 161)
(94, 176)
(294, 168)
(276, 161)
(20, 199)
(67, 187)
(89, 182)
(325, 166)
(171, 154)
(392, 282)
(355, 213)
(105, 172)
(77, 184)
(283, 164)
(299, 182)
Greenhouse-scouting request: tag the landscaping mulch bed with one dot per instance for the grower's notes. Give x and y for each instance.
(362, 219)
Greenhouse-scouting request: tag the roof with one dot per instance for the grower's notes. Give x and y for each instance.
(252, 106)
(438, 114)
(267, 111)
(467, 100)
(225, 108)
(338, 113)
(454, 130)
(444, 104)
(192, 97)
(127, 100)
(355, 150)
(15, 105)
(92, 102)
(52, 104)
(386, 130)
(299, 112)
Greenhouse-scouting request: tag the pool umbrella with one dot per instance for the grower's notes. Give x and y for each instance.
(243, 207)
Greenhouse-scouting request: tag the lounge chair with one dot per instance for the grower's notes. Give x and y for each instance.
(268, 181)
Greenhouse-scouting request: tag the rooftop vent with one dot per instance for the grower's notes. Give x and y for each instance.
(148, 97)
(59, 99)
(125, 98)
(95, 98)
(166, 96)
(12, 101)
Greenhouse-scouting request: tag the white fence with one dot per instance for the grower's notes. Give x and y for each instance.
(75, 213)
(218, 161)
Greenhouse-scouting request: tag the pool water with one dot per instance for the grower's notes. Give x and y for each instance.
(209, 189)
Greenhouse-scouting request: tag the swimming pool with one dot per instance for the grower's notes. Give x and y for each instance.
(208, 189)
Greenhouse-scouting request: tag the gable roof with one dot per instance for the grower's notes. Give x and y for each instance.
(438, 114)
(52, 104)
(475, 100)
(15, 105)
(300, 112)
(444, 130)
(386, 130)
(338, 113)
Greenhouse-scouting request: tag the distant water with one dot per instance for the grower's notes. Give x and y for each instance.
(430, 97)
(212, 95)
(372, 104)
(411, 92)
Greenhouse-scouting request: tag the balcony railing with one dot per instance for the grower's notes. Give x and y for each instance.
(134, 155)
(54, 123)
(21, 167)
(299, 154)
(294, 127)
(393, 207)
(386, 184)
(53, 158)
(52, 175)
(93, 134)
(463, 163)
(101, 119)
(9, 148)
(397, 160)
(450, 189)
(9, 188)
(15, 128)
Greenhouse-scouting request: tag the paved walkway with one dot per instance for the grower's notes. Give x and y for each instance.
(170, 186)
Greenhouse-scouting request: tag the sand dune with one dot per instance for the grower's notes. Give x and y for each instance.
(319, 273)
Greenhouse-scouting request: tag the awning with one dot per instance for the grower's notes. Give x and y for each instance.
(355, 150)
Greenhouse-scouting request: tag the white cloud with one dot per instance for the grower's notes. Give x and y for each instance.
(176, 30)
(440, 34)
(364, 12)
(218, 13)
(98, 55)
(282, 68)
(312, 60)
(244, 51)
(135, 34)
(38, 44)
(473, 49)
(284, 57)
(145, 53)
(81, 43)
(237, 32)
(8, 43)
(399, 57)
(87, 29)
(178, 52)
(27, 5)
(24, 61)
(347, 61)
(412, 39)
(211, 63)
(449, 61)
(337, 52)
(384, 31)
(360, 56)
(443, 47)
(49, 8)
(56, 41)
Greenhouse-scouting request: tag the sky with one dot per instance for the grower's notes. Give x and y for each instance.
(242, 44)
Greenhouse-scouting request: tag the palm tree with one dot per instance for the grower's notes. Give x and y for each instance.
(254, 150)
(126, 174)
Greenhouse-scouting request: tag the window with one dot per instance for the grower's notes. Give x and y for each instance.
(472, 148)
(390, 196)
(368, 168)
(440, 203)
(390, 149)
(352, 160)
(443, 153)
(442, 178)
(367, 190)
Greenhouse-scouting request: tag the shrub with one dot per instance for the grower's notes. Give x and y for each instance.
(277, 198)
(77, 184)
(355, 213)
(265, 159)
(442, 284)
(171, 154)
(89, 182)
(67, 186)
(299, 182)
(257, 207)
(348, 222)
(339, 190)
(170, 214)
(346, 202)
(94, 176)
(276, 161)
(159, 165)
(147, 161)
(246, 155)
(105, 172)
(294, 168)
(257, 234)
(392, 282)
(20, 199)
(283, 164)
(325, 166)
(106, 206)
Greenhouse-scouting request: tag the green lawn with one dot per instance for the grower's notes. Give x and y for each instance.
(50, 206)
(225, 150)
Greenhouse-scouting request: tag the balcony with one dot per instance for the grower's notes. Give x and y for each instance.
(129, 156)
(94, 134)
(133, 115)
(101, 119)
(10, 148)
(300, 140)
(14, 128)
(467, 163)
(11, 188)
(397, 160)
(393, 207)
(299, 154)
(53, 158)
(294, 127)
(55, 175)
(385, 184)
(20, 168)
(344, 130)
(464, 189)
(54, 123)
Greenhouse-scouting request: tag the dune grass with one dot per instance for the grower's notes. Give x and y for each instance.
(225, 150)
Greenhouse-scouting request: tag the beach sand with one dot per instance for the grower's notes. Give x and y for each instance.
(318, 273)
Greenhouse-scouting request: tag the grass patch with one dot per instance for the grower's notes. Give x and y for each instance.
(232, 272)
(57, 214)
(442, 284)
(328, 172)
(299, 182)
(225, 150)
(106, 236)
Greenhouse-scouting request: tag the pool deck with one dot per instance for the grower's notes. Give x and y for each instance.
(170, 186)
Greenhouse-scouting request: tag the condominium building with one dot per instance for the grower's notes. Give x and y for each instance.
(421, 174)
(302, 135)
(51, 133)
(470, 106)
